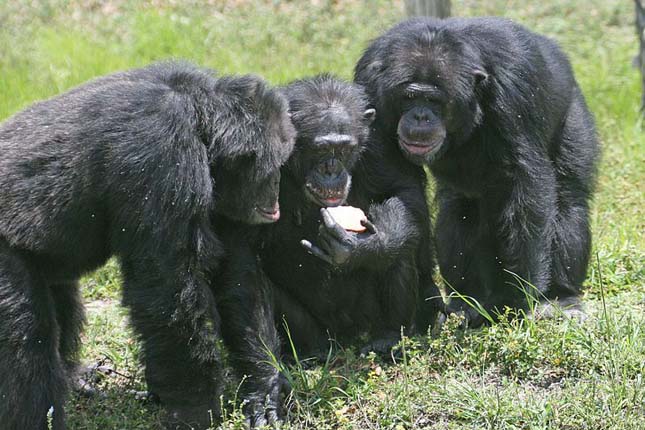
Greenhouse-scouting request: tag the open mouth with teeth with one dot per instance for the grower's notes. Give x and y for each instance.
(326, 197)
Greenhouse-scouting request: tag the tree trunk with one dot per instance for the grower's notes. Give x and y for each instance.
(640, 60)
(438, 8)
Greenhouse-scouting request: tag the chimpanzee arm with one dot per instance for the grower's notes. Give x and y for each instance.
(393, 232)
(396, 235)
(248, 329)
(522, 220)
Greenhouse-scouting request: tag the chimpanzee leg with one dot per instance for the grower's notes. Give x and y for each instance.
(70, 315)
(33, 376)
(309, 337)
(397, 297)
(575, 172)
(430, 302)
(570, 253)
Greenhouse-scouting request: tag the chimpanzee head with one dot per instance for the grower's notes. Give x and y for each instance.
(425, 82)
(332, 124)
(252, 137)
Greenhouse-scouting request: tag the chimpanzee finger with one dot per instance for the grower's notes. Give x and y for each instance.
(369, 226)
(329, 244)
(331, 225)
(314, 250)
(272, 418)
(258, 420)
(338, 249)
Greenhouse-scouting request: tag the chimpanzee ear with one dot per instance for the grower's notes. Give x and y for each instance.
(369, 115)
(480, 76)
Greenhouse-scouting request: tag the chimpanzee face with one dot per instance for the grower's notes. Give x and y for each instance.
(431, 118)
(327, 156)
(421, 130)
(332, 123)
(259, 143)
(427, 84)
(328, 159)
(245, 197)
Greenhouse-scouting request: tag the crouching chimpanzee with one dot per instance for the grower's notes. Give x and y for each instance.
(496, 113)
(133, 165)
(325, 281)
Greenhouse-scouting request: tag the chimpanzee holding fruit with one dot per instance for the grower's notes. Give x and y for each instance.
(319, 279)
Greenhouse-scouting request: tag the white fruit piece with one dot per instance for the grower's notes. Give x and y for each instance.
(348, 217)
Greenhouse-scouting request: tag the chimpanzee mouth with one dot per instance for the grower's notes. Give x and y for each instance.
(271, 214)
(326, 197)
(419, 148)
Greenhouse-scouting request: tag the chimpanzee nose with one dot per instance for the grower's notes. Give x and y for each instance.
(334, 140)
(421, 116)
(331, 167)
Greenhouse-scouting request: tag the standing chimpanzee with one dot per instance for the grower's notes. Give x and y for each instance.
(496, 113)
(133, 165)
(343, 284)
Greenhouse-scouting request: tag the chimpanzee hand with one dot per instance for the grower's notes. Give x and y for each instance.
(337, 245)
(263, 407)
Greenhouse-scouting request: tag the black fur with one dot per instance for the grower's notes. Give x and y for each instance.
(134, 165)
(356, 284)
(496, 113)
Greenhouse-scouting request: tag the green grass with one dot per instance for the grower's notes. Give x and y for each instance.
(514, 375)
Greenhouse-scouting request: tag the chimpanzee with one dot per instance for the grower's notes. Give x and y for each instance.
(495, 112)
(134, 165)
(325, 282)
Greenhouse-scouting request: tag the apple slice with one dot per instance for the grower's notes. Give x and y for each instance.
(348, 217)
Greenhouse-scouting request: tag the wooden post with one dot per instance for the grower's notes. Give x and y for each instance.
(640, 60)
(438, 8)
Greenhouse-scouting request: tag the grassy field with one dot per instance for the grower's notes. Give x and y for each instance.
(515, 375)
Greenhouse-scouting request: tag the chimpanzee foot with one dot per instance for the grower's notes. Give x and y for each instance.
(190, 417)
(470, 317)
(261, 414)
(568, 307)
(382, 345)
(145, 396)
(85, 379)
